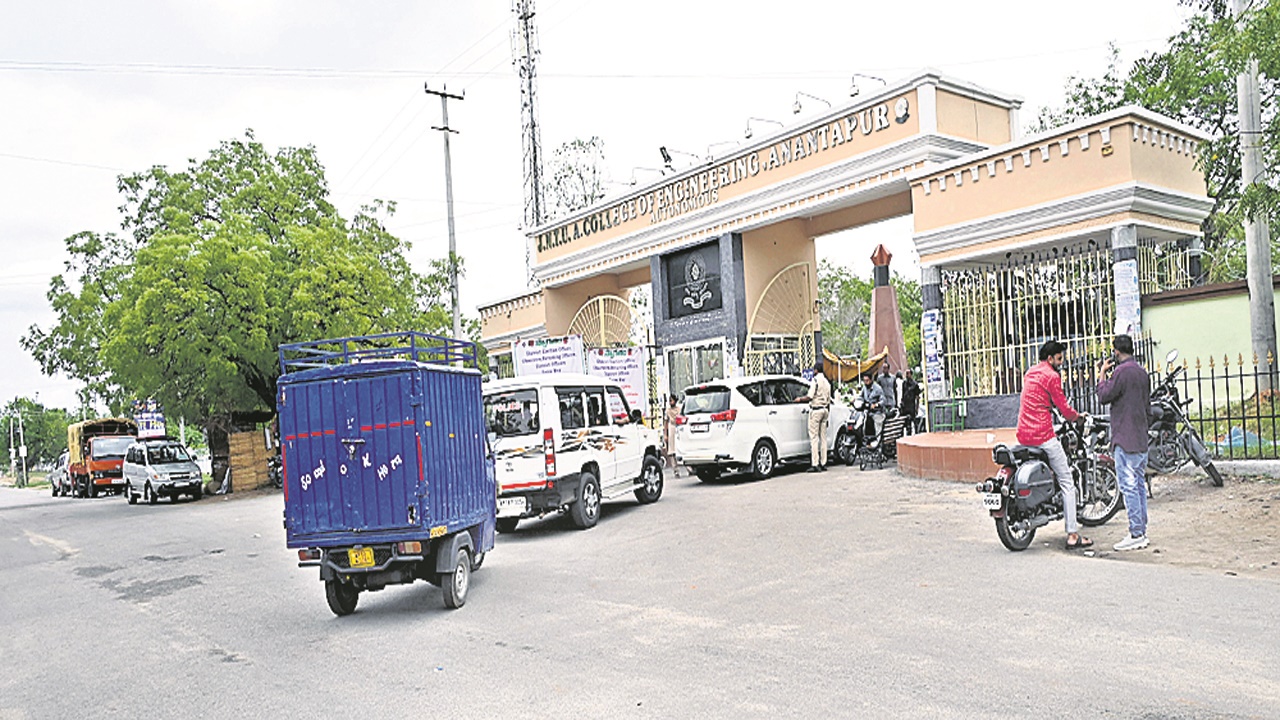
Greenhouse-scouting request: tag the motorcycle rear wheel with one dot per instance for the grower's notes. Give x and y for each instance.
(1011, 538)
(1102, 501)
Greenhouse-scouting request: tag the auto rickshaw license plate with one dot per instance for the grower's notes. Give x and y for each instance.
(360, 557)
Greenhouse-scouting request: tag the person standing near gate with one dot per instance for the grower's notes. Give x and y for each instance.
(910, 396)
(673, 412)
(1127, 388)
(889, 386)
(819, 399)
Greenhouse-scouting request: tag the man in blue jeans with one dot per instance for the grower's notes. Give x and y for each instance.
(1128, 390)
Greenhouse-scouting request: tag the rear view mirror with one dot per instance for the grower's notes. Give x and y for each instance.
(493, 437)
(1173, 355)
(636, 417)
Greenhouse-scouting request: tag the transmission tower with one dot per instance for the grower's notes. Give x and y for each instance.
(524, 46)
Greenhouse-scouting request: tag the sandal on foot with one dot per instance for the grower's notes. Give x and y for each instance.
(1081, 543)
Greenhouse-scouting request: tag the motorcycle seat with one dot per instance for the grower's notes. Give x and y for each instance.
(1022, 453)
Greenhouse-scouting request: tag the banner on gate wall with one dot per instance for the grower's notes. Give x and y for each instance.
(549, 355)
(624, 366)
(931, 339)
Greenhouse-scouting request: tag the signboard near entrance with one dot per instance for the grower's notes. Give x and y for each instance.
(624, 366)
(693, 280)
(549, 355)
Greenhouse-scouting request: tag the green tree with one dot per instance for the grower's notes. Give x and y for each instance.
(223, 262)
(45, 430)
(1194, 82)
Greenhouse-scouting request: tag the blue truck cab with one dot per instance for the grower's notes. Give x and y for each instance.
(388, 476)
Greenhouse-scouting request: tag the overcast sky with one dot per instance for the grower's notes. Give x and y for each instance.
(90, 90)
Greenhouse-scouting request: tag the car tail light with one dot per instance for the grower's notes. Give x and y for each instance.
(682, 420)
(409, 548)
(549, 450)
(309, 554)
(726, 416)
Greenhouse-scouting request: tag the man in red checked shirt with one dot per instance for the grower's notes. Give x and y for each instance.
(1041, 392)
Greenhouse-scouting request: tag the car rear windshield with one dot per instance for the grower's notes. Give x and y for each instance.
(706, 399)
(110, 447)
(167, 454)
(513, 413)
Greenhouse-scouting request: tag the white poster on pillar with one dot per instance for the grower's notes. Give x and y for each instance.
(1128, 299)
(549, 355)
(624, 366)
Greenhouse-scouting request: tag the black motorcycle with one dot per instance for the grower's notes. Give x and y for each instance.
(1172, 440)
(857, 431)
(1024, 495)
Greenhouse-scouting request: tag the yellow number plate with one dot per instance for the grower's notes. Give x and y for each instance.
(360, 557)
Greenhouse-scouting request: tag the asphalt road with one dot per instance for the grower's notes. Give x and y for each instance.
(847, 594)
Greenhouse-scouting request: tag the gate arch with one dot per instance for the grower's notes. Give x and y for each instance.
(780, 333)
(603, 321)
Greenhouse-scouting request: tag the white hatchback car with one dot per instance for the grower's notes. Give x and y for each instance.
(750, 423)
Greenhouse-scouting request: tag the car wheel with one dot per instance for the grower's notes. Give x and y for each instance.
(763, 460)
(93, 490)
(128, 494)
(149, 495)
(199, 493)
(455, 584)
(585, 511)
(507, 524)
(342, 597)
(650, 481)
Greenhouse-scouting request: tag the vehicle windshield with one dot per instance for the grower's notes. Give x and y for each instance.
(166, 454)
(513, 413)
(105, 448)
(706, 399)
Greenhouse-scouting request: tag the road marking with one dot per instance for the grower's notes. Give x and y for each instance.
(59, 545)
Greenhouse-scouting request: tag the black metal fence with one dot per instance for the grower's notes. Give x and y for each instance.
(1235, 403)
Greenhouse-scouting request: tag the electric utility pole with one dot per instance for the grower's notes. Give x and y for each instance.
(448, 194)
(1262, 303)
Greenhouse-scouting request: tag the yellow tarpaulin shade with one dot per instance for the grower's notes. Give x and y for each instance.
(848, 369)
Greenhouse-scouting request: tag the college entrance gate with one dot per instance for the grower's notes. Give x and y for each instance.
(1019, 238)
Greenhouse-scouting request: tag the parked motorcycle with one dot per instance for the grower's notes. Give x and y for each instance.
(274, 471)
(856, 431)
(1024, 495)
(1169, 447)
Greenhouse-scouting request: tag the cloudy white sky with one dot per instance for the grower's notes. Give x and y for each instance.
(89, 90)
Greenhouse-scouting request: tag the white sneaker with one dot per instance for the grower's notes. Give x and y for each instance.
(1132, 543)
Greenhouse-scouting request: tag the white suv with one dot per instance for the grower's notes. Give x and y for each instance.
(566, 442)
(748, 423)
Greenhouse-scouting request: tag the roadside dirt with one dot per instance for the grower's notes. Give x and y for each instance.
(1234, 529)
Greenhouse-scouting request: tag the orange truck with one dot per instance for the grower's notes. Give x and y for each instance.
(97, 450)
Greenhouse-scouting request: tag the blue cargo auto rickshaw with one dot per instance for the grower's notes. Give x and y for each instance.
(388, 477)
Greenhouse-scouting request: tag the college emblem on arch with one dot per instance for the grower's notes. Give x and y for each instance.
(696, 291)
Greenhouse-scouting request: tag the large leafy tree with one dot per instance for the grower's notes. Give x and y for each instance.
(219, 264)
(45, 430)
(1194, 82)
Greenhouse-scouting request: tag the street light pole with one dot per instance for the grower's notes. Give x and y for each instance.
(448, 194)
(22, 451)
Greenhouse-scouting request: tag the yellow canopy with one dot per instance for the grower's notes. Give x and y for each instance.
(848, 369)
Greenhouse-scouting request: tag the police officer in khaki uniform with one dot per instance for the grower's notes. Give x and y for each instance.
(819, 399)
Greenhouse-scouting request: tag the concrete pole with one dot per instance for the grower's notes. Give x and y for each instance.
(1262, 305)
(22, 451)
(448, 193)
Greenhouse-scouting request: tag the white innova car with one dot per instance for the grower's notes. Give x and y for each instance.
(566, 442)
(748, 423)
